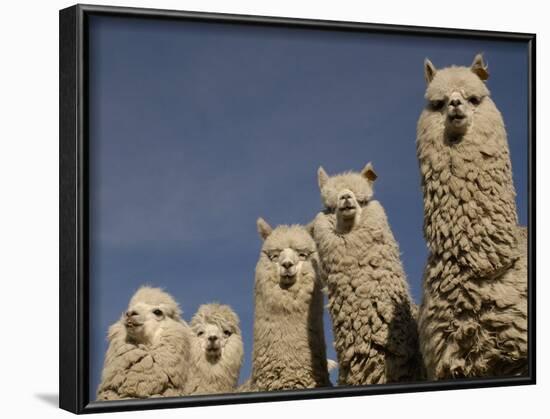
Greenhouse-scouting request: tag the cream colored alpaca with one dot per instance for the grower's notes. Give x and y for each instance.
(289, 344)
(473, 319)
(216, 350)
(148, 354)
(374, 329)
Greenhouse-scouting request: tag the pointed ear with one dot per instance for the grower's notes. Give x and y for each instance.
(369, 173)
(429, 71)
(480, 68)
(309, 228)
(264, 229)
(322, 177)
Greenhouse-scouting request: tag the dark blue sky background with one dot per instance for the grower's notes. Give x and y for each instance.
(197, 129)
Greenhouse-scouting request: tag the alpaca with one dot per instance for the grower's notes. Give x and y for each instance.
(473, 318)
(216, 350)
(289, 344)
(369, 301)
(148, 354)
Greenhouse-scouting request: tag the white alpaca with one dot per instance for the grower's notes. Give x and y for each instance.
(289, 344)
(473, 319)
(148, 354)
(216, 350)
(374, 328)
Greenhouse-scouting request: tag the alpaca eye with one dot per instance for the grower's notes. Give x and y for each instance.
(474, 100)
(227, 333)
(273, 256)
(437, 104)
(157, 312)
(303, 255)
(200, 333)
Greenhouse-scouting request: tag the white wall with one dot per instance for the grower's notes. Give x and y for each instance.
(29, 205)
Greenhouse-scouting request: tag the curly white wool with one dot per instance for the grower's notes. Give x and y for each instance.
(473, 318)
(374, 329)
(289, 345)
(148, 353)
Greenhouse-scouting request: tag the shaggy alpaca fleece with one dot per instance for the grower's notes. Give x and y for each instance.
(374, 329)
(148, 354)
(289, 343)
(473, 319)
(216, 350)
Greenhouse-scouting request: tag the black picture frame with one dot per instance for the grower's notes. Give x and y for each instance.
(74, 218)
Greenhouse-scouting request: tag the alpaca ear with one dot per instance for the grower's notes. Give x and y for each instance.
(480, 68)
(175, 312)
(369, 173)
(264, 229)
(309, 228)
(322, 177)
(429, 71)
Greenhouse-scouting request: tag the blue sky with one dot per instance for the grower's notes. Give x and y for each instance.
(197, 129)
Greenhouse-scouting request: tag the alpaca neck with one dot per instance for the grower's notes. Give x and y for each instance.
(284, 330)
(209, 377)
(288, 336)
(470, 217)
(345, 224)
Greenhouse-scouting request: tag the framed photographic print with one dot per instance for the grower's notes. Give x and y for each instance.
(259, 209)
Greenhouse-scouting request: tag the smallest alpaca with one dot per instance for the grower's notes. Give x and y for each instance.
(148, 354)
(216, 350)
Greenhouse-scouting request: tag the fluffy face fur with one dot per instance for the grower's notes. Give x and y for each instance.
(149, 312)
(288, 266)
(217, 350)
(473, 318)
(346, 194)
(289, 344)
(149, 347)
(369, 302)
(455, 95)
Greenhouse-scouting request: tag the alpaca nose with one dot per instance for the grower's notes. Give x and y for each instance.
(287, 264)
(345, 196)
(212, 338)
(455, 102)
(131, 313)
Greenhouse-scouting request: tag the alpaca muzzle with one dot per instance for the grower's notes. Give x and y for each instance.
(213, 349)
(456, 116)
(456, 111)
(348, 209)
(347, 204)
(287, 277)
(287, 271)
(132, 323)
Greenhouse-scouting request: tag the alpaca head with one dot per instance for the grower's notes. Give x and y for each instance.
(347, 193)
(289, 250)
(455, 95)
(149, 312)
(287, 279)
(217, 333)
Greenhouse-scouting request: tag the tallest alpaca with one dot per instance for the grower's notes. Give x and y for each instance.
(473, 319)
